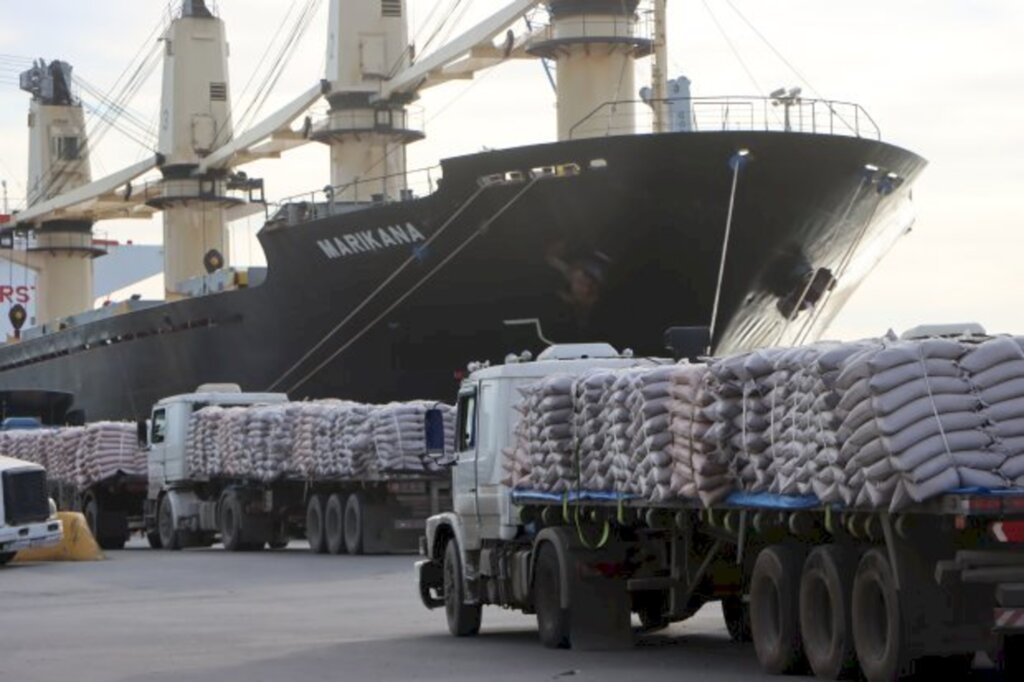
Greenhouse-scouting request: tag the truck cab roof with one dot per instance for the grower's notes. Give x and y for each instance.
(9, 463)
(225, 398)
(562, 359)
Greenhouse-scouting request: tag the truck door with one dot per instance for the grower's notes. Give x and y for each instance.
(157, 451)
(465, 476)
(491, 428)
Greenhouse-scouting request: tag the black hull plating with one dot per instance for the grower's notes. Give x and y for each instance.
(647, 221)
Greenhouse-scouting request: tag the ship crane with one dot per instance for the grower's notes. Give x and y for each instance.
(371, 79)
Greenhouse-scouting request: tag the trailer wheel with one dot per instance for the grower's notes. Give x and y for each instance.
(826, 627)
(6, 557)
(878, 633)
(552, 619)
(231, 524)
(100, 526)
(315, 525)
(355, 523)
(463, 619)
(170, 538)
(737, 619)
(775, 609)
(334, 524)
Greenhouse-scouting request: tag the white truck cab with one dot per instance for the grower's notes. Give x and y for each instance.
(27, 515)
(170, 495)
(483, 510)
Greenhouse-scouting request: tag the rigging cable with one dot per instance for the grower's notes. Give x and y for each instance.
(732, 46)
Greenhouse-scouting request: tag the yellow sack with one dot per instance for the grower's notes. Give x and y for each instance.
(77, 544)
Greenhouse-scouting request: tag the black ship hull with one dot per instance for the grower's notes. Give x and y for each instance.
(613, 239)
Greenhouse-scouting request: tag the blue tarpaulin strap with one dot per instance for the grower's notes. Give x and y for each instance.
(770, 501)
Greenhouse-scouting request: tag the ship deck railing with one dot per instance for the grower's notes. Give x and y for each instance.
(335, 200)
(784, 114)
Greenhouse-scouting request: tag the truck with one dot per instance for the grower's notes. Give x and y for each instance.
(371, 514)
(112, 505)
(810, 585)
(27, 514)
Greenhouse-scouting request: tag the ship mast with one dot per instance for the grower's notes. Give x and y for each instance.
(659, 67)
(195, 120)
(60, 250)
(367, 44)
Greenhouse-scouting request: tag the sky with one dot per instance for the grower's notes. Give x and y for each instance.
(944, 79)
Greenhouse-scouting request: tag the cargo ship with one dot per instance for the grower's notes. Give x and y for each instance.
(752, 218)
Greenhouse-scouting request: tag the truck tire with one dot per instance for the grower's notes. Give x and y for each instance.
(552, 619)
(105, 536)
(878, 633)
(463, 619)
(170, 537)
(826, 624)
(7, 557)
(315, 525)
(153, 538)
(334, 524)
(355, 523)
(775, 609)
(232, 535)
(737, 619)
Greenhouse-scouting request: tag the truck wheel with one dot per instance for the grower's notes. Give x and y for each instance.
(334, 524)
(98, 522)
(552, 619)
(737, 619)
(775, 609)
(463, 619)
(153, 538)
(7, 557)
(231, 524)
(170, 538)
(315, 525)
(826, 627)
(355, 520)
(878, 633)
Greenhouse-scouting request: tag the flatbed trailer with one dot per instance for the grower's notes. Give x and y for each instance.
(836, 591)
(361, 515)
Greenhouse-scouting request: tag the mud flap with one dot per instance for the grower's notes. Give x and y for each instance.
(600, 615)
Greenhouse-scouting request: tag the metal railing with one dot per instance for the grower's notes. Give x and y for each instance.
(637, 28)
(733, 113)
(332, 200)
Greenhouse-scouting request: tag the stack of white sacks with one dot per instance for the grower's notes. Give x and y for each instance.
(79, 456)
(323, 439)
(875, 423)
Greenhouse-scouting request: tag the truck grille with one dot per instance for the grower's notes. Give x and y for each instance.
(25, 497)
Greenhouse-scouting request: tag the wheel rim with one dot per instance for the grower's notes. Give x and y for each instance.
(228, 529)
(352, 521)
(450, 589)
(547, 596)
(334, 521)
(313, 525)
(874, 606)
(819, 616)
(769, 612)
(166, 524)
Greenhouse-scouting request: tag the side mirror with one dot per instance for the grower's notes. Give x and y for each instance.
(435, 435)
(142, 429)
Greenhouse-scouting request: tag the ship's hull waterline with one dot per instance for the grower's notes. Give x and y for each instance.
(645, 217)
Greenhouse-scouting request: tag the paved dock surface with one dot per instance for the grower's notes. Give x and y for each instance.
(290, 616)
